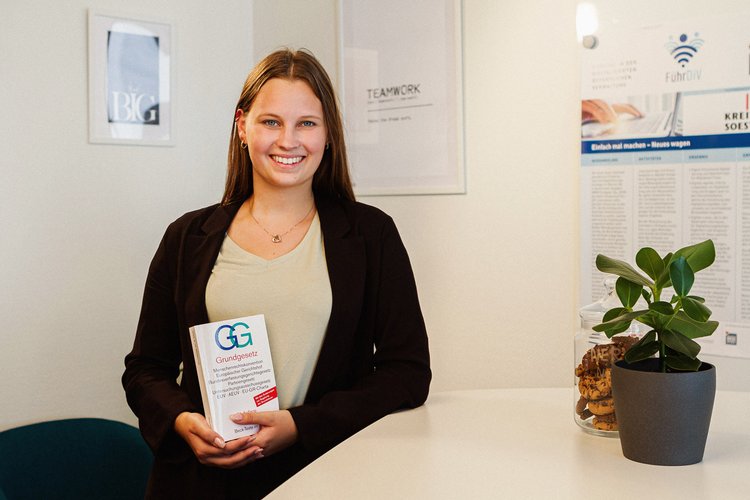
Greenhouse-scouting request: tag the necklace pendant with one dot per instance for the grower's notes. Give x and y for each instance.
(276, 238)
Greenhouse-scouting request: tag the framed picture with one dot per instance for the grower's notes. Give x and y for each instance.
(130, 80)
(400, 70)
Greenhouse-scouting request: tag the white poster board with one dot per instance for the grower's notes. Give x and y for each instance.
(400, 69)
(674, 168)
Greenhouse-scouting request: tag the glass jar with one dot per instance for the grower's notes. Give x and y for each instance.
(594, 408)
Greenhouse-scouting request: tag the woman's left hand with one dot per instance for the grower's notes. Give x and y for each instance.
(277, 429)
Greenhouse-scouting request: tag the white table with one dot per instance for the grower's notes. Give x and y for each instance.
(518, 443)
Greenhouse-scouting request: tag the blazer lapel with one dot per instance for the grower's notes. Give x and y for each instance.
(201, 249)
(345, 257)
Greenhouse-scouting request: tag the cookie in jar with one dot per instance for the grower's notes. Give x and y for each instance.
(595, 353)
(595, 408)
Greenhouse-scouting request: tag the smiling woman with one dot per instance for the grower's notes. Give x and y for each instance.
(285, 135)
(330, 275)
(292, 67)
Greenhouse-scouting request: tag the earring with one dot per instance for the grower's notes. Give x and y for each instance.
(328, 145)
(243, 145)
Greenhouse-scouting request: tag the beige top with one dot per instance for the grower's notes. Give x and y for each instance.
(293, 291)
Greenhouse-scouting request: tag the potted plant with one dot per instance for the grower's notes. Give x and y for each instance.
(663, 394)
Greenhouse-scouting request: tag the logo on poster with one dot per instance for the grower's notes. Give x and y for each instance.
(131, 107)
(683, 50)
(227, 334)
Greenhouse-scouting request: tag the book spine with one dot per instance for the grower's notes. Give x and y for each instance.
(207, 409)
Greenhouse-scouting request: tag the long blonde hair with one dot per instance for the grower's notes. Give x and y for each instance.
(332, 177)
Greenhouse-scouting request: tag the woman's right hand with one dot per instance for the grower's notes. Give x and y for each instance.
(208, 446)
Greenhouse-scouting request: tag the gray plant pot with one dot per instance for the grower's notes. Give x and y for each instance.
(663, 417)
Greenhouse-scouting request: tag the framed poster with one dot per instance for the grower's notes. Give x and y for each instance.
(129, 80)
(401, 90)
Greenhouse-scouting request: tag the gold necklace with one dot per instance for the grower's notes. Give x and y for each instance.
(276, 238)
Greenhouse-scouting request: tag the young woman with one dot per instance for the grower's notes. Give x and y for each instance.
(331, 276)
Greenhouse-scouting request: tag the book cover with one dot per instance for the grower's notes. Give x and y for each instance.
(235, 372)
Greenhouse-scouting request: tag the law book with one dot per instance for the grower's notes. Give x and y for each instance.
(235, 372)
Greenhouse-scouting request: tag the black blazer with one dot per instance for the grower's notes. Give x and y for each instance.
(374, 358)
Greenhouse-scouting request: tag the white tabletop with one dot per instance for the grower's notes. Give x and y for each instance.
(518, 443)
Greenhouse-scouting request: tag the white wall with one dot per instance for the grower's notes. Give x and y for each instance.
(79, 223)
(497, 268)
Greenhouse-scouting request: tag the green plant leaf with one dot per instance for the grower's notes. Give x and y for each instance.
(651, 319)
(613, 313)
(611, 332)
(677, 361)
(643, 349)
(663, 280)
(615, 322)
(641, 352)
(649, 261)
(695, 309)
(649, 337)
(680, 343)
(662, 308)
(697, 299)
(655, 320)
(615, 328)
(628, 292)
(613, 266)
(699, 256)
(682, 276)
(687, 326)
(646, 295)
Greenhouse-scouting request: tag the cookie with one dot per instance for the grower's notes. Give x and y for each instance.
(612, 417)
(597, 386)
(604, 425)
(602, 406)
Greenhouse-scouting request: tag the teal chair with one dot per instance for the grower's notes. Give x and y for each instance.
(80, 458)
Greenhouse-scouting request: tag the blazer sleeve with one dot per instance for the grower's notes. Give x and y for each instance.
(152, 367)
(392, 369)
